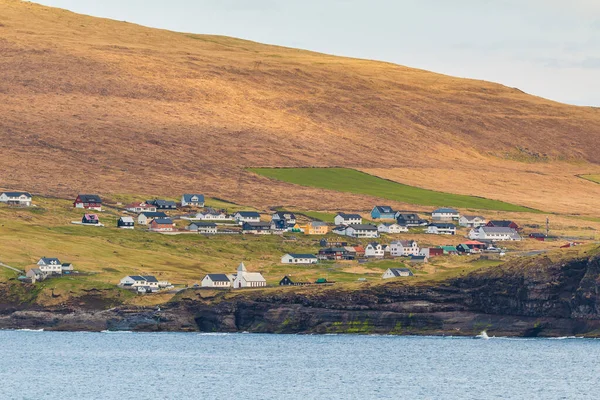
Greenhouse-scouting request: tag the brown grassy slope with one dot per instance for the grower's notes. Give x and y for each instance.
(128, 107)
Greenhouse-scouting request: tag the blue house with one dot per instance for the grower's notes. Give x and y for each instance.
(383, 212)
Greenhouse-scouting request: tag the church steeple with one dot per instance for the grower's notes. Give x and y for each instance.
(242, 267)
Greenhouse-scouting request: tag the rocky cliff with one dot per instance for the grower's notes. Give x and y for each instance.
(539, 297)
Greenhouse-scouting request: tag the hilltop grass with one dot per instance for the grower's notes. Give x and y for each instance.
(352, 181)
(592, 178)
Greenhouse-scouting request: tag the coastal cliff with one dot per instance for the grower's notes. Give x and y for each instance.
(526, 298)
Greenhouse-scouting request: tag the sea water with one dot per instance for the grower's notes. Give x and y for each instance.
(62, 365)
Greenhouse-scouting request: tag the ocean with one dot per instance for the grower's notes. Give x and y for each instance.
(123, 365)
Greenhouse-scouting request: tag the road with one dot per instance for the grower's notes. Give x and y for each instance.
(9, 267)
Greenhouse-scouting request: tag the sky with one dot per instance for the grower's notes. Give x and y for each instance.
(549, 48)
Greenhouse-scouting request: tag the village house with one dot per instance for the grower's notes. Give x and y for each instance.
(206, 228)
(288, 217)
(397, 272)
(219, 281)
(286, 281)
(404, 248)
(50, 266)
(125, 223)
(409, 219)
(366, 231)
(471, 221)
(538, 236)
(88, 202)
(67, 268)
(163, 204)
(471, 247)
(245, 279)
(449, 250)
(146, 217)
(431, 252)
(257, 228)
(445, 215)
(211, 214)
(383, 212)
(335, 253)
(140, 207)
(313, 228)
(246, 216)
(441, 229)
(36, 275)
(419, 259)
(192, 200)
(375, 250)
(22, 199)
(503, 224)
(495, 234)
(142, 284)
(391, 228)
(347, 219)
(279, 226)
(326, 242)
(90, 219)
(294, 258)
(161, 225)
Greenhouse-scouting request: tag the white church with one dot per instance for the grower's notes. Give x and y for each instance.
(245, 279)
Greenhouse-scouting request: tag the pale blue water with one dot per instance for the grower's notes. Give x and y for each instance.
(52, 365)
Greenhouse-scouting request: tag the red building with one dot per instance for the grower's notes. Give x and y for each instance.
(88, 202)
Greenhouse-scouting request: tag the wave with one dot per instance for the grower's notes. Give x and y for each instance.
(30, 330)
(108, 331)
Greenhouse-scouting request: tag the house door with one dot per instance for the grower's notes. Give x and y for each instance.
(239, 284)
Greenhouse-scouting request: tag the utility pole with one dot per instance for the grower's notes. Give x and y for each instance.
(547, 226)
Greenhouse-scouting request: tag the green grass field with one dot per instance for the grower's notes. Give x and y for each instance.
(591, 178)
(352, 181)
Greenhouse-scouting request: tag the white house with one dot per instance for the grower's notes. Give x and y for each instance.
(246, 216)
(402, 248)
(195, 200)
(494, 234)
(139, 207)
(299, 259)
(16, 198)
(445, 214)
(375, 250)
(146, 217)
(472, 221)
(360, 231)
(35, 274)
(211, 215)
(50, 266)
(205, 228)
(288, 217)
(441, 229)
(391, 228)
(216, 281)
(245, 279)
(397, 272)
(149, 282)
(347, 219)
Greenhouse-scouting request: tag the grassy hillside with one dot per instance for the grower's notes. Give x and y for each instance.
(141, 110)
(351, 181)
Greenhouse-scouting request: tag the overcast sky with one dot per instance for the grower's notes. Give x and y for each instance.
(549, 48)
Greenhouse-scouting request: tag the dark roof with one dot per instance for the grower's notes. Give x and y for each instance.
(165, 221)
(385, 209)
(295, 255)
(444, 226)
(445, 210)
(218, 277)
(398, 271)
(90, 198)
(147, 278)
(50, 260)
(248, 214)
(350, 216)
(417, 257)
(282, 214)
(408, 216)
(157, 214)
(188, 197)
(501, 224)
(16, 194)
(363, 227)
(164, 203)
(256, 225)
(204, 224)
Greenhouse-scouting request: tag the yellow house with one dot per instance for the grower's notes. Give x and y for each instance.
(313, 228)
